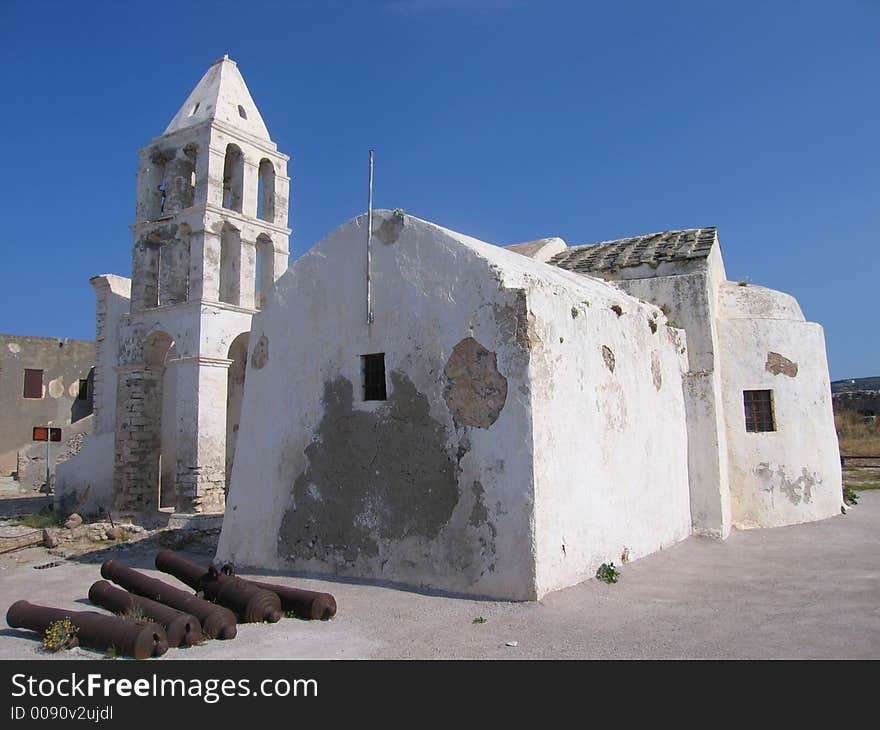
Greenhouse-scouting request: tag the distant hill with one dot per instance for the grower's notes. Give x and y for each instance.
(846, 386)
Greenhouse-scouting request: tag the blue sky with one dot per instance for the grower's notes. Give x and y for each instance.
(507, 120)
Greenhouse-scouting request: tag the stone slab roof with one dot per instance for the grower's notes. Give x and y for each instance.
(652, 249)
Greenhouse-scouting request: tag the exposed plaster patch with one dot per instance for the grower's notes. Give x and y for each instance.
(516, 322)
(479, 513)
(478, 518)
(14, 348)
(372, 477)
(777, 364)
(260, 355)
(608, 357)
(475, 391)
(56, 387)
(656, 375)
(796, 490)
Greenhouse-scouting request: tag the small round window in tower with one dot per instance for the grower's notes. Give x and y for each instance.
(241, 112)
(194, 109)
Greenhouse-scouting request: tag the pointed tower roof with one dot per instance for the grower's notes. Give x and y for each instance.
(222, 95)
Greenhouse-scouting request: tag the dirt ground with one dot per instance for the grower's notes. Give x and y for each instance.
(805, 591)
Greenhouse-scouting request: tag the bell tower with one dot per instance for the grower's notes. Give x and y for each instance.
(210, 238)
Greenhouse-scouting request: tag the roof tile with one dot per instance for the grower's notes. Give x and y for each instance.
(652, 249)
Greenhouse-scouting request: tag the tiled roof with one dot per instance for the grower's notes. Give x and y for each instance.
(652, 249)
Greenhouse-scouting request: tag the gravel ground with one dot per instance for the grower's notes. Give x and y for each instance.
(805, 591)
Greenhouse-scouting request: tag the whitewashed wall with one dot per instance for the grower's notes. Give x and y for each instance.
(687, 292)
(610, 437)
(792, 474)
(462, 520)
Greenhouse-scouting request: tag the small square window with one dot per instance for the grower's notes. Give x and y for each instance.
(33, 383)
(373, 369)
(759, 410)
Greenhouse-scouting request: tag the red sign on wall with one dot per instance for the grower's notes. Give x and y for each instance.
(43, 433)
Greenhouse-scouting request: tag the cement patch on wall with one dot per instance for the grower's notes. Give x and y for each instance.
(390, 229)
(371, 477)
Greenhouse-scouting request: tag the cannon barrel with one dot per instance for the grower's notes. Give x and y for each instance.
(139, 640)
(251, 603)
(183, 629)
(305, 604)
(217, 622)
(184, 570)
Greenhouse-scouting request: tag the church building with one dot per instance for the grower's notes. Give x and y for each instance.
(410, 405)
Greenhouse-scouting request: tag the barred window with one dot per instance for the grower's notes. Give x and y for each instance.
(759, 410)
(373, 369)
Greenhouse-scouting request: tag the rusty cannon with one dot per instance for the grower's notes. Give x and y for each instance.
(217, 622)
(304, 604)
(251, 603)
(182, 629)
(136, 639)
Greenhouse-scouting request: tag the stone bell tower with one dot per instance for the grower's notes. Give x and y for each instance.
(210, 238)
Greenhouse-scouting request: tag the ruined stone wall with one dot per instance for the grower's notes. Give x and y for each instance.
(64, 363)
(791, 474)
(85, 481)
(171, 406)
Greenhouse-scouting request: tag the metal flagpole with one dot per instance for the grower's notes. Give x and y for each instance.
(48, 456)
(369, 242)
